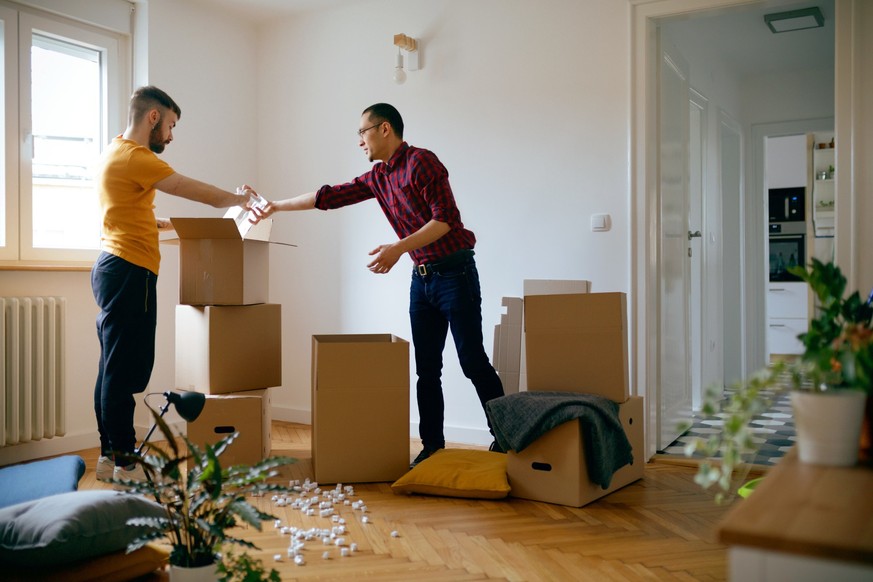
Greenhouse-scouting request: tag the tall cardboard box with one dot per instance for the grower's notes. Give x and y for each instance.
(360, 408)
(553, 468)
(577, 343)
(218, 266)
(246, 412)
(228, 348)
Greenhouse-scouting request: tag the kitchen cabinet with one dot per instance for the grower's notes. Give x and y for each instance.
(787, 317)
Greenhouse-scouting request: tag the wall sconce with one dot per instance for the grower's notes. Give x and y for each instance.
(410, 46)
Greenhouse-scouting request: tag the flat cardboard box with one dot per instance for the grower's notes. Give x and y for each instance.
(507, 344)
(218, 266)
(221, 349)
(360, 408)
(546, 287)
(577, 343)
(555, 286)
(246, 412)
(553, 468)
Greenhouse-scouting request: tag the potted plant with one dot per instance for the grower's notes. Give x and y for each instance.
(202, 500)
(837, 364)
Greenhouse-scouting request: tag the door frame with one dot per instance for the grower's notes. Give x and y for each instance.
(645, 222)
(701, 260)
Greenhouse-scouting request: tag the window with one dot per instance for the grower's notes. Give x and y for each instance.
(64, 95)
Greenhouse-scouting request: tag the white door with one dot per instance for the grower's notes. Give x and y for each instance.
(674, 389)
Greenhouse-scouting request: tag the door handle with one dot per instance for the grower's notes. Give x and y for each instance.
(695, 234)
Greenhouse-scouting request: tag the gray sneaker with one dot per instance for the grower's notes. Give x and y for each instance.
(130, 473)
(105, 468)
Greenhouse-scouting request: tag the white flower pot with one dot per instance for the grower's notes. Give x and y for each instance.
(828, 426)
(198, 574)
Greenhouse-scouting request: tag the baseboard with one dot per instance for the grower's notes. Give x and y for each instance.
(65, 445)
(288, 414)
(52, 447)
(69, 444)
(454, 434)
(463, 435)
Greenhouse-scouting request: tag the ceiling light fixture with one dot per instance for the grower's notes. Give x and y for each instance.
(795, 20)
(410, 46)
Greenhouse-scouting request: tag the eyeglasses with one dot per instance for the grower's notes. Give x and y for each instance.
(361, 132)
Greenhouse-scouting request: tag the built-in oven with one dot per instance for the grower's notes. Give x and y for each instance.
(787, 246)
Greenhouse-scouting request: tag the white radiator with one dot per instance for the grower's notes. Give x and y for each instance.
(32, 369)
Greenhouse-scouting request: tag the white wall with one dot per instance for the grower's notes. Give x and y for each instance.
(530, 120)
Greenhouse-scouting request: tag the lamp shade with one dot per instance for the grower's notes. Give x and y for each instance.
(189, 405)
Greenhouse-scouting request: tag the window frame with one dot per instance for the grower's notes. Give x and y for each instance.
(20, 25)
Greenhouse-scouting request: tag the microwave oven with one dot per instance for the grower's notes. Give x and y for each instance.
(787, 204)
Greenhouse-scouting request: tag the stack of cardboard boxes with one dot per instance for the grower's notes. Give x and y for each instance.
(228, 337)
(575, 342)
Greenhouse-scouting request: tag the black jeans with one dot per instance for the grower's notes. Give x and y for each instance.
(448, 299)
(126, 296)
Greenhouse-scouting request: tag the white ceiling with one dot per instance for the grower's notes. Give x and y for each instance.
(738, 34)
(261, 10)
(746, 45)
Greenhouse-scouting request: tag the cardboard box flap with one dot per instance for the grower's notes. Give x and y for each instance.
(261, 231)
(220, 228)
(242, 218)
(598, 311)
(365, 362)
(200, 228)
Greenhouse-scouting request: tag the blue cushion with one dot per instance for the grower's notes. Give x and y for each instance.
(38, 479)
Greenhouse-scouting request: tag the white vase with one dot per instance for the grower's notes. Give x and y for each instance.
(828, 426)
(198, 574)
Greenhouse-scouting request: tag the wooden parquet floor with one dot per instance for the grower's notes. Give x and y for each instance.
(659, 528)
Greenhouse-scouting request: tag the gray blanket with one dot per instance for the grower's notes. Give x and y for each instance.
(519, 419)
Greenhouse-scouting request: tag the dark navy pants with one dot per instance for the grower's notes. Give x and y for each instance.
(126, 296)
(449, 299)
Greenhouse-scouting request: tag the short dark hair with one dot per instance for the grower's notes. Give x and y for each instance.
(384, 112)
(147, 98)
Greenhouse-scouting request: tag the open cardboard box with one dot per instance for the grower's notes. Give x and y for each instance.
(360, 408)
(553, 468)
(218, 264)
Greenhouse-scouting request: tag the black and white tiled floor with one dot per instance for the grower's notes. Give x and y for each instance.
(775, 428)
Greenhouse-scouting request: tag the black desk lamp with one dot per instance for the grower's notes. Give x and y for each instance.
(189, 405)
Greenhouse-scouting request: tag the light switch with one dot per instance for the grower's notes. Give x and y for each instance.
(600, 222)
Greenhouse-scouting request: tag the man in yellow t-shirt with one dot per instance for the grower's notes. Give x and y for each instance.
(125, 275)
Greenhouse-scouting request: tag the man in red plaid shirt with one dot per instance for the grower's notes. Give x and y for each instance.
(412, 188)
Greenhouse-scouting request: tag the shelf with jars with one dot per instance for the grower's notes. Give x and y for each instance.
(823, 158)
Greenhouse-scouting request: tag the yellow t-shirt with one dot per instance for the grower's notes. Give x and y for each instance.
(126, 185)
